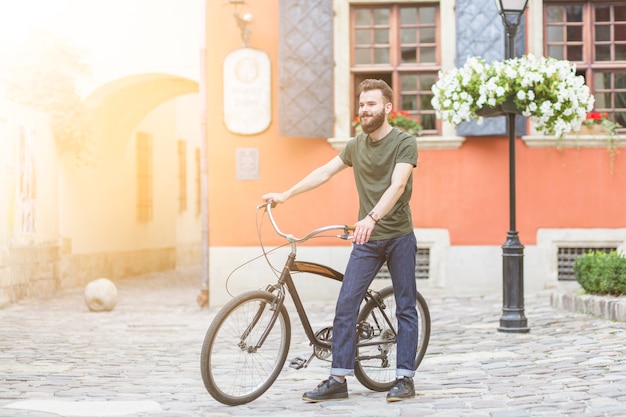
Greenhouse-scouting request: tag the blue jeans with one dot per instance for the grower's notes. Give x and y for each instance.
(364, 263)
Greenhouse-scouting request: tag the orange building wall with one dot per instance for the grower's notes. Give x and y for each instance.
(283, 160)
(465, 191)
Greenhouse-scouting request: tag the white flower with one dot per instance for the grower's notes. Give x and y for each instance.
(545, 89)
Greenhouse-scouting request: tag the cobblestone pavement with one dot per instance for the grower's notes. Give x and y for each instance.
(142, 359)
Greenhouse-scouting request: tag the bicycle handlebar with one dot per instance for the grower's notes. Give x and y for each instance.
(292, 239)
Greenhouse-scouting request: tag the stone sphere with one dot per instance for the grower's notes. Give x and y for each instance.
(101, 295)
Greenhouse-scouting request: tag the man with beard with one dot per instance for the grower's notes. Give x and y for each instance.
(383, 159)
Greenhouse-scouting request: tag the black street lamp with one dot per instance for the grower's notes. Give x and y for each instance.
(512, 319)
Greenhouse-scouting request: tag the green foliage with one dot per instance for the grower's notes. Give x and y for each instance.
(404, 121)
(601, 273)
(43, 74)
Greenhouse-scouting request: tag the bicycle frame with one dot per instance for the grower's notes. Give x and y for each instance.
(286, 280)
(325, 271)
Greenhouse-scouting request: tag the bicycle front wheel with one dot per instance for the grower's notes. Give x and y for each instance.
(375, 365)
(245, 348)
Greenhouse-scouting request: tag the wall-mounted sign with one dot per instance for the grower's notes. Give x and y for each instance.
(247, 164)
(247, 92)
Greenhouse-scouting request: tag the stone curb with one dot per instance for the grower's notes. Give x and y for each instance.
(606, 307)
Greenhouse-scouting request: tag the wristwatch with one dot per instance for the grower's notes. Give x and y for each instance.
(374, 216)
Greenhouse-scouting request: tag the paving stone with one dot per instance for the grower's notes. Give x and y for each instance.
(148, 349)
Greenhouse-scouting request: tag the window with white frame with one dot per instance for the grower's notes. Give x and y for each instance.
(399, 44)
(592, 34)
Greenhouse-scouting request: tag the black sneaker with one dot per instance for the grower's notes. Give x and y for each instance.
(328, 389)
(402, 389)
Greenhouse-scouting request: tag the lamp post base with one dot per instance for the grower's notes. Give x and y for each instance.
(513, 319)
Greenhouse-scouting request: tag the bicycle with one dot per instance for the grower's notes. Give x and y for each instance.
(246, 345)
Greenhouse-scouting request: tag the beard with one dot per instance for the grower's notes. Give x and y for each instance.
(374, 123)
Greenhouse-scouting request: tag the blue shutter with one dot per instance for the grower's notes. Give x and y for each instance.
(480, 33)
(305, 68)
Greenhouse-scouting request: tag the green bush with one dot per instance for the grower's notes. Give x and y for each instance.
(601, 273)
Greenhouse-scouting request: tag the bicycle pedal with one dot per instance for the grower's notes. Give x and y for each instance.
(297, 363)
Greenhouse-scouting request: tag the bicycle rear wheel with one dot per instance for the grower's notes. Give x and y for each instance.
(375, 366)
(236, 366)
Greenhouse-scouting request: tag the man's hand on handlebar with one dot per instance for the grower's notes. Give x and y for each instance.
(275, 198)
(363, 230)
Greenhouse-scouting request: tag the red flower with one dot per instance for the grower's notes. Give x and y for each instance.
(594, 115)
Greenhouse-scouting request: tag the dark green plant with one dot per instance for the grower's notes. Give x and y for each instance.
(601, 273)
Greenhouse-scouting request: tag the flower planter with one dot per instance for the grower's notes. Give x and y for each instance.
(593, 130)
(508, 107)
(563, 93)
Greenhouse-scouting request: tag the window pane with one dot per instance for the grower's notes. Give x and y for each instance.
(408, 15)
(555, 34)
(381, 36)
(603, 53)
(362, 57)
(575, 53)
(428, 121)
(408, 36)
(427, 35)
(427, 15)
(427, 55)
(409, 103)
(603, 33)
(620, 52)
(426, 102)
(575, 33)
(427, 81)
(381, 16)
(602, 81)
(555, 14)
(603, 13)
(556, 52)
(603, 100)
(620, 32)
(620, 13)
(362, 37)
(363, 17)
(381, 56)
(574, 13)
(620, 81)
(408, 82)
(409, 55)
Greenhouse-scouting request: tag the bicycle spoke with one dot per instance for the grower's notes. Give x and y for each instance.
(235, 369)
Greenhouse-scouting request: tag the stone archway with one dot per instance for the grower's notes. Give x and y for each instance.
(98, 202)
(118, 106)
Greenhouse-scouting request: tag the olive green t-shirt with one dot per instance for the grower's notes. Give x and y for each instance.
(373, 164)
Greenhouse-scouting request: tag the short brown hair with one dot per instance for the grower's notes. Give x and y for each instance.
(372, 84)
